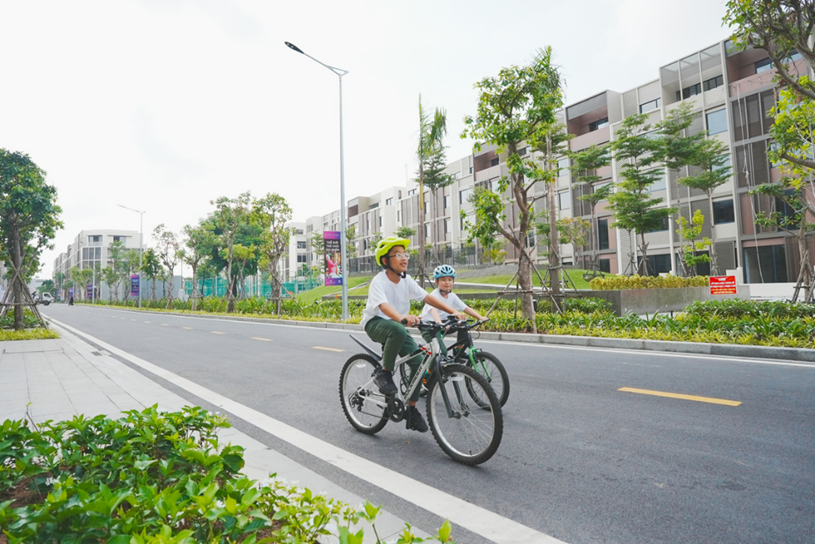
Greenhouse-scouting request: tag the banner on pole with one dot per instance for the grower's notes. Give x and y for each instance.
(723, 285)
(134, 285)
(90, 291)
(333, 264)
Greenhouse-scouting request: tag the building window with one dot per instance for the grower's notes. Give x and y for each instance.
(389, 201)
(659, 264)
(716, 122)
(564, 201)
(447, 226)
(597, 125)
(659, 184)
(563, 167)
(298, 231)
(602, 234)
(122, 239)
(301, 258)
(96, 239)
(301, 245)
(380, 220)
(649, 106)
(446, 202)
(764, 65)
(723, 212)
(662, 227)
(523, 151)
(398, 215)
(689, 91)
(605, 265)
(464, 195)
(713, 82)
(495, 161)
(471, 169)
(772, 262)
(427, 231)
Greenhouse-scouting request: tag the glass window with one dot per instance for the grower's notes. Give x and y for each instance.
(446, 202)
(495, 161)
(464, 195)
(563, 167)
(716, 121)
(723, 212)
(649, 106)
(602, 233)
(713, 82)
(447, 225)
(301, 245)
(388, 201)
(605, 265)
(764, 65)
(523, 151)
(301, 258)
(122, 239)
(564, 200)
(600, 123)
(659, 184)
(398, 215)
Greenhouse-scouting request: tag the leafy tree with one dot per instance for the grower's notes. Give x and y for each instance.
(231, 217)
(405, 231)
(431, 157)
(351, 241)
(29, 219)
(129, 266)
(167, 251)
(59, 280)
(632, 204)
(113, 274)
(784, 28)
(574, 230)
(272, 214)
(584, 171)
(689, 231)
(47, 287)
(790, 215)
(151, 268)
(318, 244)
(517, 106)
(706, 160)
(197, 246)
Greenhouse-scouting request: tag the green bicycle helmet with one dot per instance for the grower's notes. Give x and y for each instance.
(385, 245)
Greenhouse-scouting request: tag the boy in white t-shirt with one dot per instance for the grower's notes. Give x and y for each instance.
(389, 297)
(445, 277)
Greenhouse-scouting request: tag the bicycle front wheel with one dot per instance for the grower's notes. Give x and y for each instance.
(472, 433)
(492, 370)
(363, 404)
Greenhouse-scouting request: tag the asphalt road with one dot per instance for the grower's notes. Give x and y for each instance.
(580, 460)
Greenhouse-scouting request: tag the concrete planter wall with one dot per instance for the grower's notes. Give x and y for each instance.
(650, 301)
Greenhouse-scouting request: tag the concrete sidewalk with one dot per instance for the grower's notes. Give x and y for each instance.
(59, 379)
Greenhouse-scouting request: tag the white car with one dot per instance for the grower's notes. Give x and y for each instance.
(46, 298)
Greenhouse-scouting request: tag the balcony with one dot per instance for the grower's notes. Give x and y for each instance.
(588, 139)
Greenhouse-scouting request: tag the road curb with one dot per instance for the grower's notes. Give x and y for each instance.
(724, 350)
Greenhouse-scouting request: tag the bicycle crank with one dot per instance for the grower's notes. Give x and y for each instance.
(396, 409)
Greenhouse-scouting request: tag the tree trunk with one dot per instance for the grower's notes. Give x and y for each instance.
(643, 268)
(525, 281)
(194, 288)
(554, 253)
(17, 284)
(714, 264)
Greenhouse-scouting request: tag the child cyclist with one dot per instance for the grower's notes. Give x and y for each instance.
(389, 297)
(445, 278)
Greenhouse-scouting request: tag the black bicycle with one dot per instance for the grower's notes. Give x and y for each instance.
(463, 411)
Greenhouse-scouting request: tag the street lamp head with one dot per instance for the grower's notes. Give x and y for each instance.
(293, 47)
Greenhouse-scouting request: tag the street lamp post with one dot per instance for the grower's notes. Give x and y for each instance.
(141, 242)
(340, 72)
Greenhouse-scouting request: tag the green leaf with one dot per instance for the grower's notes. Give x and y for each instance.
(445, 530)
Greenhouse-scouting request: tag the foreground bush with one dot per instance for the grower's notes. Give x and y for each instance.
(32, 330)
(152, 477)
(612, 283)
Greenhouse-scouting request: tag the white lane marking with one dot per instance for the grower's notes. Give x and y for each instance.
(469, 516)
(647, 353)
(328, 349)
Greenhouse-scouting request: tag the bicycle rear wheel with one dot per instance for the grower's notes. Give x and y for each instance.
(494, 372)
(359, 395)
(472, 434)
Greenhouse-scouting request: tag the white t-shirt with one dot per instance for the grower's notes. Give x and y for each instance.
(397, 295)
(452, 300)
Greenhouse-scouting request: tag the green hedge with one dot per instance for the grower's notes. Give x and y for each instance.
(153, 477)
(615, 283)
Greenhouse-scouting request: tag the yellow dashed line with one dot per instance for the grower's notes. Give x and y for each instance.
(261, 339)
(147, 322)
(328, 349)
(680, 396)
(217, 332)
(187, 328)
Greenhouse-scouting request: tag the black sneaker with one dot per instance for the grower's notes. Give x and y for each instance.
(384, 380)
(415, 421)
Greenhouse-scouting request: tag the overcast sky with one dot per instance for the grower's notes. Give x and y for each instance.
(165, 105)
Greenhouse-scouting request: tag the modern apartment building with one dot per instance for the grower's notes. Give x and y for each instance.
(731, 93)
(90, 247)
(297, 253)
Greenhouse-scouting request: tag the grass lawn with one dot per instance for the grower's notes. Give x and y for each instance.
(501, 280)
(307, 297)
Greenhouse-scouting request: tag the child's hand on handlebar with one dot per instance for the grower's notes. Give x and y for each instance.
(410, 320)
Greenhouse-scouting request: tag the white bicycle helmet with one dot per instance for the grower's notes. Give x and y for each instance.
(443, 271)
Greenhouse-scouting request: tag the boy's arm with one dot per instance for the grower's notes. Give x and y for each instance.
(473, 313)
(391, 312)
(434, 313)
(436, 303)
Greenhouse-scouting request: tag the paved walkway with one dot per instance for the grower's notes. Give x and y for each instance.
(58, 379)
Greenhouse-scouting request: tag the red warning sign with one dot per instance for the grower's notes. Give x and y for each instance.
(723, 285)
